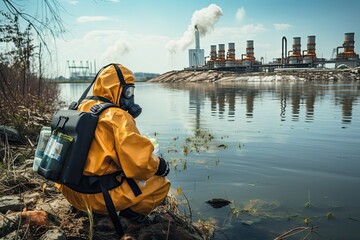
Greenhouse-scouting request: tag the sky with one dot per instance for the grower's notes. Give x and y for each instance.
(154, 36)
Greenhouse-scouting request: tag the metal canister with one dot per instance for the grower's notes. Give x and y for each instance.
(55, 154)
(44, 137)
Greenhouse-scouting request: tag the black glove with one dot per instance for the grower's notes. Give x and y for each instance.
(163, 169)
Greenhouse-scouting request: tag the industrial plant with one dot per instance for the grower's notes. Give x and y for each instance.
(219, 59)
(82, 71)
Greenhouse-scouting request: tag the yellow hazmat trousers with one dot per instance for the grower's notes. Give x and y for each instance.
(118, 145)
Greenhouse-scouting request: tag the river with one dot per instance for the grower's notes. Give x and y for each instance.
(284, 154)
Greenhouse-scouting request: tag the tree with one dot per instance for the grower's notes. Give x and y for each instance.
(22, 99)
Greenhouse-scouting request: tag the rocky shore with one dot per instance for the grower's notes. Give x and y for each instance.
(32, 208)
(281, 75)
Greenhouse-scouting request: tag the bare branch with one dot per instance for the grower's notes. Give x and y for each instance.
(53, 24)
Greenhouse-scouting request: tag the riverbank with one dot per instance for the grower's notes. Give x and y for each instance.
(33, 208)
(281, 75)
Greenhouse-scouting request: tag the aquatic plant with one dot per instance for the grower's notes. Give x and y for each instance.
(297, 230)
(180, 192)
(308, 203)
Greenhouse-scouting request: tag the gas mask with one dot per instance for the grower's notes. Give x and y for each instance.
(127, 101)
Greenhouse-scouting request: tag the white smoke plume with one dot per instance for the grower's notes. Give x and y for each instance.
(204, 19)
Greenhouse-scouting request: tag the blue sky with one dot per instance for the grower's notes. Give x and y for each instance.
(139, 34)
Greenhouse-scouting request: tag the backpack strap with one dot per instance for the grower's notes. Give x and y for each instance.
(111, 209)
(98, 98)
(99, 108)
(74, 105)
(97, 184)
(104, 185)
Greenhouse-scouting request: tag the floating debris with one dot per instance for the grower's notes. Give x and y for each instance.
(330, 215)
(218, 202)
(222, 145)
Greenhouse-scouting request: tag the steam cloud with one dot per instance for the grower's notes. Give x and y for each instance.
(204, 19)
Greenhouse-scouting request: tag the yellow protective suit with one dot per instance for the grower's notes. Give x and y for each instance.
(118, 145)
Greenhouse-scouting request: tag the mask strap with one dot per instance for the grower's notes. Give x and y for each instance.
(120, 75)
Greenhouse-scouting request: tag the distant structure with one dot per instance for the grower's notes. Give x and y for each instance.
(196, 56)
(294, 58)
(82, 71)
(348, 56)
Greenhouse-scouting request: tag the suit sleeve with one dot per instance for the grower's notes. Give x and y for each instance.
(134, 150)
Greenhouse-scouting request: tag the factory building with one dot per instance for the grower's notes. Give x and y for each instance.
(348, 56)
(295, 58)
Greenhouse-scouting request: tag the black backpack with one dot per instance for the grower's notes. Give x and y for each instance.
(67, 149)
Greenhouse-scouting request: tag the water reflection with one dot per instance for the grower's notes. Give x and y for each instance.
(346, 101)
(297, 98)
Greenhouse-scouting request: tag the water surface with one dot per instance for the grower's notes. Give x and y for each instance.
(288, 150)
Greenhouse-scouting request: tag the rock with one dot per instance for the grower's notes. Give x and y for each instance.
(168, 226)
(247, 222)
(38, 218)
(31, 198)
(11, 134)
(8, 224)
(17, 234)
(10, 203)
(53, 234)
(56, 206)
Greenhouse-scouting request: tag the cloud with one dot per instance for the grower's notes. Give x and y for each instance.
(137, 52)
(252, 28)
(113, 43)
(282, 26)
(239, 32)
(86, 19)
(240, 14)
(106, 35)
(204, 19)
(116, 50)
(73, 2)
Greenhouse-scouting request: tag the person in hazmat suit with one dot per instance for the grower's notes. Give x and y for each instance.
(119, 146)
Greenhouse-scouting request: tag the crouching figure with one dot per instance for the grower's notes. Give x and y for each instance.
(118, 147)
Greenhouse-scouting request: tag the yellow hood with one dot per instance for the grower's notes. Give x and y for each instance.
(108, 85)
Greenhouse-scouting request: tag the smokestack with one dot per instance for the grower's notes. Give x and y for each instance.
(295, 57)
(296, 46)
(197, 38)
(213, 53)
(349, 44)
(231, 52)
(349, 53)
(221, 52)
(250, 50)
(220, 60)
(311, 45)
(310, 56)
